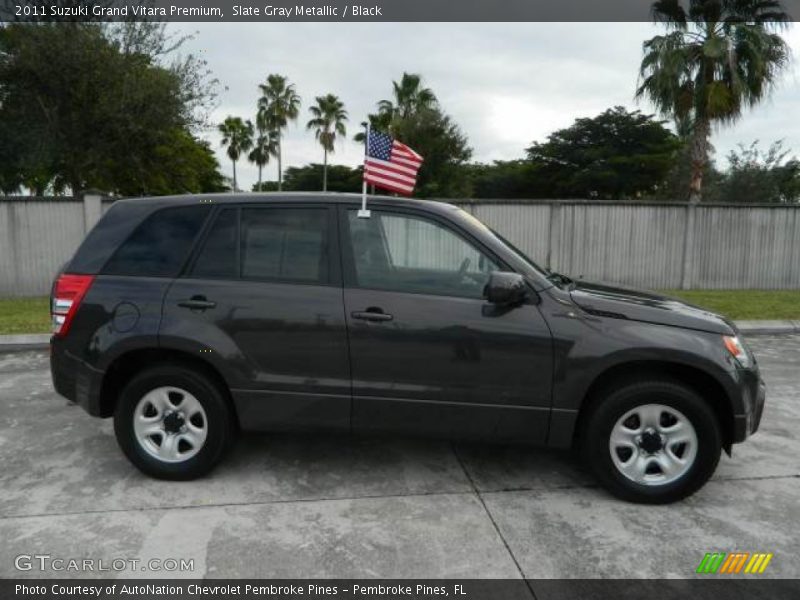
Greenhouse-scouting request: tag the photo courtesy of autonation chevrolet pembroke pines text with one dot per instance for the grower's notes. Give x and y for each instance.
(400, 299)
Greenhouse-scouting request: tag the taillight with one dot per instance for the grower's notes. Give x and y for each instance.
(67, 296)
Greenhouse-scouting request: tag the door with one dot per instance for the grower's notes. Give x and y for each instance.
(263, 300)
(428, 354)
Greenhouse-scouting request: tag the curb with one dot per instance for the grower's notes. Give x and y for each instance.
(767, 327)
(41, 341)
(28, 341)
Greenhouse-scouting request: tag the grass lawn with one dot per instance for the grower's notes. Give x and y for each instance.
(32, 315)
(745, 304)
(24, 315)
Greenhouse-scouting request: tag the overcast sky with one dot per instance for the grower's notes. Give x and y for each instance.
(505, 84)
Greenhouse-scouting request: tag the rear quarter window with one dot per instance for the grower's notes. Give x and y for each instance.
(160, 245)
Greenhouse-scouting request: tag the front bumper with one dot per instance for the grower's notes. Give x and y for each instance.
(74, 379)
(753, 396)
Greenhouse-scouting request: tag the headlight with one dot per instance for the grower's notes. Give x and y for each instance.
(737, 349)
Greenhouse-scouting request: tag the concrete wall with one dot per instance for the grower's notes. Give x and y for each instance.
(37, 235)
(648, 245)
(656, 246)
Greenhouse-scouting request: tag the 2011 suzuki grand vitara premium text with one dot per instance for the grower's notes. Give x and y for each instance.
(189, 318)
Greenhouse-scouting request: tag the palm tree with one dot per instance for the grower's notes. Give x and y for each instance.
(409, 97)
(264, 147)
(378, 122)
(716, 59)
(328, 120)
(279, 104)
(237, 135)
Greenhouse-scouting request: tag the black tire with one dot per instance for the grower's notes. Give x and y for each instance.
(611, 406)
(220, 422)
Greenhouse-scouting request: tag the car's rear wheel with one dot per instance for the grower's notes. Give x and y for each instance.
(173, 422)
(653, 441)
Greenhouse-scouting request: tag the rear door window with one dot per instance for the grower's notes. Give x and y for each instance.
(285, 244)
(160, 245)
(218, 259)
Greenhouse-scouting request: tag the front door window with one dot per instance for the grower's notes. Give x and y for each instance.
(406, 253)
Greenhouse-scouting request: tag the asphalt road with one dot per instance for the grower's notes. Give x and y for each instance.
(286, 506)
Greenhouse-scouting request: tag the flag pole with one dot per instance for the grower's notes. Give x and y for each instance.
(364, 213)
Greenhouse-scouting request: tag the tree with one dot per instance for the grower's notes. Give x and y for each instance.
(444, 149)
(673, 187)
(759, 176)
(415, 118)
(265, 146)
(237, 135)
(341, 178)
(188, 167)
(278, 104)
(197, 87)
(328, 121)
(88, 105)
(716, 59)
(267, 186)
(617, 154)
(377, 122)
(502, 179)
(409, 98)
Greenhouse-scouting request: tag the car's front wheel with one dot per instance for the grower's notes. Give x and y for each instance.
(173, 423)
(653, 441)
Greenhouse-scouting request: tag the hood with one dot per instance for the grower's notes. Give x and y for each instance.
(648, 307)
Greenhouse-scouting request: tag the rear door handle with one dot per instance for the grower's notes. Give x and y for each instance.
(197, 303)
(371, 315)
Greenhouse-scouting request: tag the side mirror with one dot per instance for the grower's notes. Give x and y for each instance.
(505, 289)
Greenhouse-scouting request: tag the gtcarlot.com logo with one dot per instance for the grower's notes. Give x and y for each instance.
(46, 562)
(734, 563)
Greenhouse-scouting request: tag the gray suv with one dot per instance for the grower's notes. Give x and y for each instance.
(189, 318)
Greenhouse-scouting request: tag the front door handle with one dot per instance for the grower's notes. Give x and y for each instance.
(197, 303)
(371, 314)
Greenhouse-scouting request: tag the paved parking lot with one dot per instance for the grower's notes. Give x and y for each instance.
(324, 506)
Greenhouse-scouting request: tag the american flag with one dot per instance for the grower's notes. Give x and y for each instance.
(390, 165)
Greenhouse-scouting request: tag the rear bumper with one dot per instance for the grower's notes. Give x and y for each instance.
(74, 379)
(753, 394)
